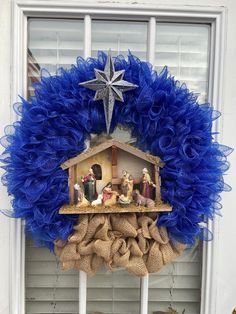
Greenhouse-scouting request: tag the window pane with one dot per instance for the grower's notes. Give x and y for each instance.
(113, 293)
(120, 36)
(177, 285)
(184, 48)
(53, 44)
(118, 292)
(48, 288)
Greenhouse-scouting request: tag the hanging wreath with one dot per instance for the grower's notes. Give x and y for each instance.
(167, 121)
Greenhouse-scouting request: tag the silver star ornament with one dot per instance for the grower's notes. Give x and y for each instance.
(109, 86)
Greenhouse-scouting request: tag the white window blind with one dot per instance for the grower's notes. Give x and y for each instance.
(185, 49)
(120, 36)
(53, 43)
(48, 289)
(117, 292)
(177, 285)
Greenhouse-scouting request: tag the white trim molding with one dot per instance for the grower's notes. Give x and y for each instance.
(82, 292)
(209, 291)
(18, 87)
(144, 281)
(87, 36)
(215, 16)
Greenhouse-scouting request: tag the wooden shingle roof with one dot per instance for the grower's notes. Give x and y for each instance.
(155, 160)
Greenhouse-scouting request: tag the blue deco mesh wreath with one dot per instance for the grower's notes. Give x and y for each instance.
(163, 115)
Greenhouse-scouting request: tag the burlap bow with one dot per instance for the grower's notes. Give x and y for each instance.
(130, 241)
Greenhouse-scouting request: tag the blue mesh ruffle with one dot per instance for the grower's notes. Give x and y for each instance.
(164, 116)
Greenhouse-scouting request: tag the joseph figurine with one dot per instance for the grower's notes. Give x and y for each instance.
(127, 184)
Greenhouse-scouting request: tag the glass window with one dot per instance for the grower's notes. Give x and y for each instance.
(53, 44)
(120, 36)
(117, 292)
(184, 48)
(177, 286)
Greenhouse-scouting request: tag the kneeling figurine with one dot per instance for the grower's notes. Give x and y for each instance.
(142, 201)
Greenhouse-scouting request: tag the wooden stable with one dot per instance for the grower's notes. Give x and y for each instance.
(112, 147)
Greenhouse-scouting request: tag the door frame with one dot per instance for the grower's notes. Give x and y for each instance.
(23, 9)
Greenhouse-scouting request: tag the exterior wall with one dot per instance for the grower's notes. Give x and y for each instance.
(226, 261)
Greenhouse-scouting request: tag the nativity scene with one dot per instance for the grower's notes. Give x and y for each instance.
(113, 177)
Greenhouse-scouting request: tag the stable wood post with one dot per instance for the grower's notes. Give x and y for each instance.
(71, 184)
(158, 184)
(114, 161)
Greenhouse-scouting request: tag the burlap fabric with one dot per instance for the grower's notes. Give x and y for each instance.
(130, 241)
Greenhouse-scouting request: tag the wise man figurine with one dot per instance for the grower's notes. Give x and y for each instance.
(89, 182)
(146, 184)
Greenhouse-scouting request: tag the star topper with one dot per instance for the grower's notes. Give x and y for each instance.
(109, 86)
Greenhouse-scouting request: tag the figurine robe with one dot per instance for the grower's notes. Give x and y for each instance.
(147, 184)
(89, 182)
